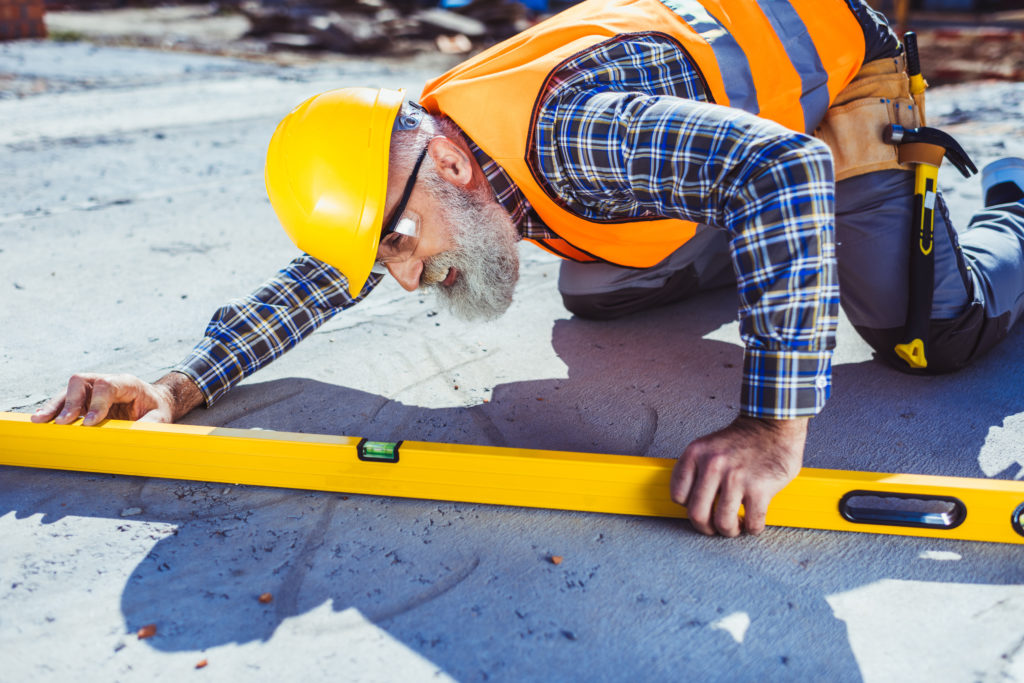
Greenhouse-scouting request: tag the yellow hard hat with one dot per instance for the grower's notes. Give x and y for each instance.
(327, 176)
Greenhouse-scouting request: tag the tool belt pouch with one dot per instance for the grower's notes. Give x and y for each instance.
(852, 128)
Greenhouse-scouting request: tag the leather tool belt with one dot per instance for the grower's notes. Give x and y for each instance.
(878, 96)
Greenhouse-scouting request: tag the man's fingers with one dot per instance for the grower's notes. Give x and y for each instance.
(755, 510)
(746, 464)
(76, 398)
(125, 391)
(727, 508)
(682, 478)
(702, 496)
(105, 393)
(96, 397)
(50, 408)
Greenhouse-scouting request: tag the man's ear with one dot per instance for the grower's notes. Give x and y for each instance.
(452, 162)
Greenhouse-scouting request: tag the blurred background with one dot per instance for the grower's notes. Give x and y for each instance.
(960, 40)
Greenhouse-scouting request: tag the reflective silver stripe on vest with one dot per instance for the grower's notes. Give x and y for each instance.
(790, 29)
(732, 61)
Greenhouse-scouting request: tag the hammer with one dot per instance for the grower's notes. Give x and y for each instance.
(925, 148)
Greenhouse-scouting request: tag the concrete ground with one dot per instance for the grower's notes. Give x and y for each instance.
(132, 205)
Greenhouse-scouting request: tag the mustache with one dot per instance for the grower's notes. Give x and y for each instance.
(435, 269)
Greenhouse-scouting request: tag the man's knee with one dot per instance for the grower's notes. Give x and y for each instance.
(952, 344)
(606, 305)
(619, 302)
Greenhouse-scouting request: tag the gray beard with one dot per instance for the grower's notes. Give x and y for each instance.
(486, 255)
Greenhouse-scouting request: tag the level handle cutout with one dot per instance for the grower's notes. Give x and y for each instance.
(902, 509)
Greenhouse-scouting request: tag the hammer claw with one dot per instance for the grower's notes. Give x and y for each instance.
(961, 161)
(895, 134)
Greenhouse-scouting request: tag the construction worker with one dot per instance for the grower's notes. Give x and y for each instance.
(661, 147)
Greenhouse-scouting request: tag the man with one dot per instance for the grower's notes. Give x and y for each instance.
(602, 136)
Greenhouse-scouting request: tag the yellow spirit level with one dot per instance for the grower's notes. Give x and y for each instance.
(905, 504)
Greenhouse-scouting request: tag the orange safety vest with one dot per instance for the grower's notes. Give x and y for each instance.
(784, 61)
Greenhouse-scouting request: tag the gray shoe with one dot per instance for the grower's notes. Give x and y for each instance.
(1002, 181)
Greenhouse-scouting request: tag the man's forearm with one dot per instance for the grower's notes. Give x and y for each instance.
(183, 394)
(248, 333)
(784, 253)
(771, 188)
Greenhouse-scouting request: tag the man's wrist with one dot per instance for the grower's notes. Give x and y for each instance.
(782, 426)
(182, 392)
(214, 367)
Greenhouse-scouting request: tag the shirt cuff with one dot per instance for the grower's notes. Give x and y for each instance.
(213, 367)
(783, 385)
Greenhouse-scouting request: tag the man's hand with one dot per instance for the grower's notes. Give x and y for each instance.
(123, 397)
(748, 462)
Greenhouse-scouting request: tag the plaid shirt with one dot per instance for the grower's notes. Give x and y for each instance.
(625, 131)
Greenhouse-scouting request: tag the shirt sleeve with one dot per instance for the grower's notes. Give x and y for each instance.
(247, 333)
(623, 154)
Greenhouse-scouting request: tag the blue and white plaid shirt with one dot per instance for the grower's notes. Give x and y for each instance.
(625, 130)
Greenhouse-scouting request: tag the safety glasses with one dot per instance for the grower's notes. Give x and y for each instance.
(401, 234)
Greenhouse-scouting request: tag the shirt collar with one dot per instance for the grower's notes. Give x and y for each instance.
(506, 191)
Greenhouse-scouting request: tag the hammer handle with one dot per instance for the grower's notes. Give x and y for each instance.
(917, 83)
(913, 348)
(913, 59)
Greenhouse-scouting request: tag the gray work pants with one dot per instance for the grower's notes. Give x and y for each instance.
(979, 274)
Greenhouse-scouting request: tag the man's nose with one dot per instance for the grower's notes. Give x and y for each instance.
(407, 272)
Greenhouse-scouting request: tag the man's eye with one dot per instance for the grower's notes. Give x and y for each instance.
(392, 244)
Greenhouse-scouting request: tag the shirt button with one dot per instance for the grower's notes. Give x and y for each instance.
(821, 382)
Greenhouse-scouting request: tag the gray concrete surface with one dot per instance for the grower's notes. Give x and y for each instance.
(132, 205)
